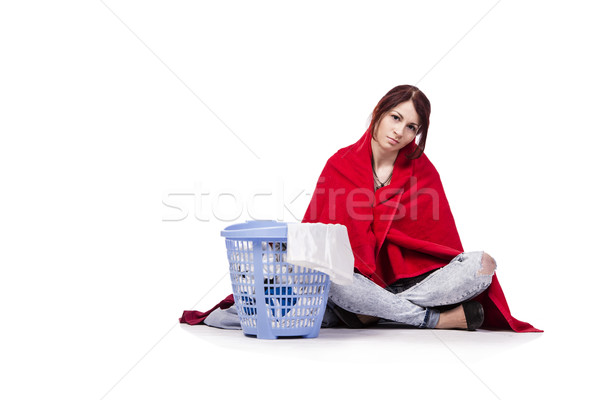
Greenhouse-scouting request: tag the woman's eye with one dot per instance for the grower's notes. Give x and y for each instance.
(412, 127)
(396, 117)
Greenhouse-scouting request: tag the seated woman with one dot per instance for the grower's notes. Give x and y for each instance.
(410, 266)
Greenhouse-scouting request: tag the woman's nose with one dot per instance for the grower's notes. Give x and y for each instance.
(398, 130)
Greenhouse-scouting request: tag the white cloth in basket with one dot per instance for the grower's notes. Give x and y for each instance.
(323, 247)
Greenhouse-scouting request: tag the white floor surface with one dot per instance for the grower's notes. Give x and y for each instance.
(200, 360)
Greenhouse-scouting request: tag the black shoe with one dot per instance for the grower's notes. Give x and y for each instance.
(347, 317)
(474, 314)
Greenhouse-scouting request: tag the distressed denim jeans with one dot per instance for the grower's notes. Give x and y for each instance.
(454, 283)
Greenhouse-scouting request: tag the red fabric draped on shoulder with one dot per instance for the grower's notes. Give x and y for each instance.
(402, 230)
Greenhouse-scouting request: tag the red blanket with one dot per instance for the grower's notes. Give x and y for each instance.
(402, 230)
(193, 317)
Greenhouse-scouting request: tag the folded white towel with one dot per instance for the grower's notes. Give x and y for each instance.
(323, 247)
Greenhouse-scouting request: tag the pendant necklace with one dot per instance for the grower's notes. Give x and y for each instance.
(378, 183)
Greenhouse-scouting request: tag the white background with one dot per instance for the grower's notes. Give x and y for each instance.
(123, 123)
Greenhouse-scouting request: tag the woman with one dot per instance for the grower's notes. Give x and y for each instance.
(410, 266)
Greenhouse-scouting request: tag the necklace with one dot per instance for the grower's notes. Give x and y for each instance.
(378, 183)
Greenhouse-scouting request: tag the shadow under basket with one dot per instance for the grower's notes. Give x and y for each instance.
(273, 298)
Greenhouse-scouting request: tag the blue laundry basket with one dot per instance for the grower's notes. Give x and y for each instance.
(273, 298)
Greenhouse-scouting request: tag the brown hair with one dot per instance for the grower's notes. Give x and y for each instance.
(398, 95)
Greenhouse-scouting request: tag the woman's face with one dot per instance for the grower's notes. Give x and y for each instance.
(397, 127)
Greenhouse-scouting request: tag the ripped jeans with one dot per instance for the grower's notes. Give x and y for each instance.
(457, 282)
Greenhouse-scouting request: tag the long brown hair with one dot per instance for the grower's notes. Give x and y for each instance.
(398, 95)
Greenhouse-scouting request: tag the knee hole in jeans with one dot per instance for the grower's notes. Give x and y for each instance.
(488, 265)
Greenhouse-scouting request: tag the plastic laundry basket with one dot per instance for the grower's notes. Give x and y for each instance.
(273, 298)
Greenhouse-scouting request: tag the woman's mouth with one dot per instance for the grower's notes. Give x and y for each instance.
(392, 140)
